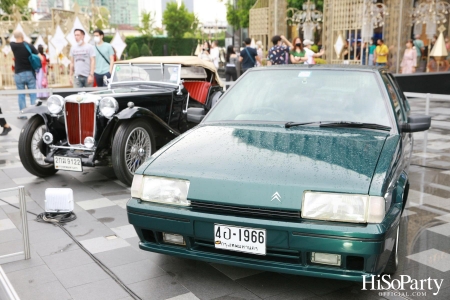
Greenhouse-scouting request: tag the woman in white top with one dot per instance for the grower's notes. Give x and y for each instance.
(205, 54)
(259, 50)
(311, 54)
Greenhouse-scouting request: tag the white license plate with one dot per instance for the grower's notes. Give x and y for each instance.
(68, 163)
(241, 239)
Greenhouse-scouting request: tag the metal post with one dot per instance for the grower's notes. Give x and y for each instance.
(23, 214)
(427, 104)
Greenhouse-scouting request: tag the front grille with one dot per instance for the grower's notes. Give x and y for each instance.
(246, 211)
(80, 121)
(275, 255)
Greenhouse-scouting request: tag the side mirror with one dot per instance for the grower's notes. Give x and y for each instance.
(416, 123)
(195, 114)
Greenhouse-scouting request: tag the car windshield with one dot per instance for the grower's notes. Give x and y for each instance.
(303, 96)
(150, 72)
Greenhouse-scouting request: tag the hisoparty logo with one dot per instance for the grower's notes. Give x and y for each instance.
(405, 286)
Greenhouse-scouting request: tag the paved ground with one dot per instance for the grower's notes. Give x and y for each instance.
(59, 269)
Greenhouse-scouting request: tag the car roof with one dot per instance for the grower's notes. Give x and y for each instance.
(186, 61)
(328, 67)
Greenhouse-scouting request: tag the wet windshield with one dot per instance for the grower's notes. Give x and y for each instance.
(154, 72)
(303, 96)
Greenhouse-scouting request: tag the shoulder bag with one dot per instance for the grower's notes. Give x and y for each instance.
(34, 59)
(102, 55)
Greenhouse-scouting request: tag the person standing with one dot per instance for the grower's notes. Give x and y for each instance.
(104, 53)
(278, 53)
(420, 48)
(298, 53)
(309, 54)
(381, 53)
(259, 50)
(409, 59)
(41, 78)
(82, 62)
(206, 54)
(24, 73)
(6, 127)
(248, 56)
(215, 54)
(231, 62)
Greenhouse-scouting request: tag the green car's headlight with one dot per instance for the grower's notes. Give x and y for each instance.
(161, 190)
(343, 207)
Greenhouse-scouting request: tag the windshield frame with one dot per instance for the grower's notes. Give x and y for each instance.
(375, 71)
(162, 67)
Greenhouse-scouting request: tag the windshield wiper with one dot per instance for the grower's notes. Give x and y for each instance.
(292, 124)
(355, 125)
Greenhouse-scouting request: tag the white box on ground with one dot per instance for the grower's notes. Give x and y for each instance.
(58, 200)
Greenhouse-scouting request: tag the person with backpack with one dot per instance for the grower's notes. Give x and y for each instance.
(105, 56)
(25, 68)
(248, 56)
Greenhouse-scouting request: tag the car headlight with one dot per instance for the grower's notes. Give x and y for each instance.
(161, 190)
(108, 106)
(343, 207)
(55, 104)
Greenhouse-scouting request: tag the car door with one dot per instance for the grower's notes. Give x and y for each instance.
(401, 114)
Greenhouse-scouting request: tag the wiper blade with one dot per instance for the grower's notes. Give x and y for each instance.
(292, 124)
(355, 125)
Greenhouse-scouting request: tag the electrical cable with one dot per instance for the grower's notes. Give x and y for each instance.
(60, 219)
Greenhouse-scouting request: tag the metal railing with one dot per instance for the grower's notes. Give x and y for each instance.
(428, 97)
(23, 215)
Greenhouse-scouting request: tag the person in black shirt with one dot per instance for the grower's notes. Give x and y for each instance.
(24, 73)
(248, 56)
(6, 127)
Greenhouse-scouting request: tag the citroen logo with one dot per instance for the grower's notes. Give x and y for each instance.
(276, 196)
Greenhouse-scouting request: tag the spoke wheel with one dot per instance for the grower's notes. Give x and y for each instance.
(30, 145)
(133, 143)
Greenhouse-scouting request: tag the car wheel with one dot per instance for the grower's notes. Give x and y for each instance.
(133, 143)
(392, 264)
(30, 144)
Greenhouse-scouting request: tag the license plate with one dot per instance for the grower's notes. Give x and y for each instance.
(68, 163)
(241, 239)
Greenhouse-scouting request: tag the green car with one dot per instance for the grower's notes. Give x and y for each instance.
(296, 169)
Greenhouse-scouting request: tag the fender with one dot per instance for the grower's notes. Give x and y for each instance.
(40, 110)
(158, 125)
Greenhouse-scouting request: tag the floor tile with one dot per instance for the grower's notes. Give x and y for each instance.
(55, 246)
(121, 256)
(445, 218)
(6, 224)
(80, 275)
(10, 235)
(102, 244)
(121, 202)
(125, 232)
(441, 229)
(111, 216)
(48, 291)
(162, 287)
(188, 296)
(96, 203)
(23, 264)
(235, 273)
(66, 260)
(90, 176)
(25, 279)
(138, 271)
(433, 258)
(106, 289)
(25, 180)
(407, 213)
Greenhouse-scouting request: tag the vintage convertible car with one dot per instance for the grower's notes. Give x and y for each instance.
(143, 108)
(297, 169)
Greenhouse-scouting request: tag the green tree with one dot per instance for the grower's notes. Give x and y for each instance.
(134, 51)
(145, 50)
(7, 6)
(178, 20)
(102, 21)
(238, 14)
(148, 23)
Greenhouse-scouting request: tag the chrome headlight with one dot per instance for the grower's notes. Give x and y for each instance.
(343, 207)
(108, 106)
(161, 190)
(55, 104)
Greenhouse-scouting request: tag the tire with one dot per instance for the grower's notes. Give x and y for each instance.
(392, 264)
(29, 152)
(133, 143)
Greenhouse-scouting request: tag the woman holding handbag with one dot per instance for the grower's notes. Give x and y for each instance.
(41, 75)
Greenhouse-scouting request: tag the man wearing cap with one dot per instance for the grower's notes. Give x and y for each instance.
(82, 62)
(309, 54)
(278, 53)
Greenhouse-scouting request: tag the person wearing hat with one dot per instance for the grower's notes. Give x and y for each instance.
(82, 62)
(279, 53)
(309, 53)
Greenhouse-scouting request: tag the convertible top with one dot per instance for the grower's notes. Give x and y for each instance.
(186, 61)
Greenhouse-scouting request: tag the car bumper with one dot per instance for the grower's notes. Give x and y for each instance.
(364, 249)
(87, 157)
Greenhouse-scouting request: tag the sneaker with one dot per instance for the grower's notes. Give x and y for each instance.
(22, 117)
(6, 130)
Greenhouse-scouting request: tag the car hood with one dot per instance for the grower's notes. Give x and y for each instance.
(248, 165)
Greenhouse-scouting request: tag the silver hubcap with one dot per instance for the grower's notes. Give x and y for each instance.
(37, 137)
(137, 149)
